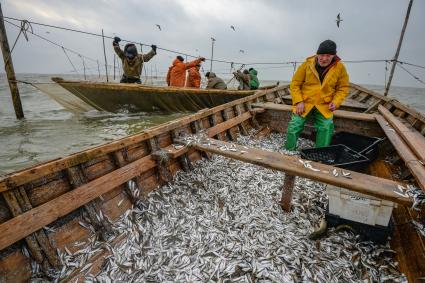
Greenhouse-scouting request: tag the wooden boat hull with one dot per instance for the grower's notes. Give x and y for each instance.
(115, 97)
(54, 193)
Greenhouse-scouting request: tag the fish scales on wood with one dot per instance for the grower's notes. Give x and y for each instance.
(18, 227)
(404, 151)
(360, 182)
(412, 137)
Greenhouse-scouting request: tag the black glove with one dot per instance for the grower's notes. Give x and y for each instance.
(153, 47)
(117, 39)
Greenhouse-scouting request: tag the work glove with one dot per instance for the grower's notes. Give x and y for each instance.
(117, 39)
(153, 47)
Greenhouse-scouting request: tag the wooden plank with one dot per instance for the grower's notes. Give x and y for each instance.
(19, 227)
(228, 124)
(413, 138)
(362, 183)
(337, 113)
(38, 171)
(411, 161)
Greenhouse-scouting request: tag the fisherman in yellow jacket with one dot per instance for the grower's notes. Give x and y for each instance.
(318, 87)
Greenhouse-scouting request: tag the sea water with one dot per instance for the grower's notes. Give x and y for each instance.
(49, 131)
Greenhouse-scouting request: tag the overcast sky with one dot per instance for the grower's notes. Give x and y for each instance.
(268, 31)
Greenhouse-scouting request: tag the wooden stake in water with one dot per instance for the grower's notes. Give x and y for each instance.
(114, 67)
(10, 71)
(104, 53)
(212, 52)
(395, 60)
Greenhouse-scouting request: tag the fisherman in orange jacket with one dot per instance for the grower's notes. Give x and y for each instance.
(176, 75)
(318, 88)
(194, 77)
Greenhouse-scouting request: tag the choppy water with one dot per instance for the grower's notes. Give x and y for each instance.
(49, 131)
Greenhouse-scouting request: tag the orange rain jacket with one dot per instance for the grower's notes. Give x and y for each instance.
(194, 78)
(176, 75)
(306, 87)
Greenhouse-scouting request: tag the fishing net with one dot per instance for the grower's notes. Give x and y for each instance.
(63, 97)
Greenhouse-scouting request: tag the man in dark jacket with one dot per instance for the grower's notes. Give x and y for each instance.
(243, 79)
(215, 82)
(132, 62)
(254, 83)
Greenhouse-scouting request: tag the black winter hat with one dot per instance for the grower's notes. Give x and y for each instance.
(327, 47)
(180, 58)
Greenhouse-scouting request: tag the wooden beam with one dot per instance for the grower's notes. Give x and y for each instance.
(228, 124)
(19, 227)
(410, 135)
(409, 158)
(287, 191)
(362, 183)
(10, 71)
(337, 113)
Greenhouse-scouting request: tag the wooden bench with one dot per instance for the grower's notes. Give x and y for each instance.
(348, 103)
(337, 113)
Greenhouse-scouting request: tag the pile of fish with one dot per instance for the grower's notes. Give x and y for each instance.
(222, 222)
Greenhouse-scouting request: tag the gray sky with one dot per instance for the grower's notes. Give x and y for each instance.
(268, 31)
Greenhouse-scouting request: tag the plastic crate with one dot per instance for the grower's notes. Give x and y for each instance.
(358, 143)
(337, 155)
(368, 216)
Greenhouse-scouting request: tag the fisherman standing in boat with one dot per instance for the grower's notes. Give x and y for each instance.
(215, 82)
(318, 87)
(253, 82)
(243, 78)
(194, 77)
(132, 62)
(176, 75)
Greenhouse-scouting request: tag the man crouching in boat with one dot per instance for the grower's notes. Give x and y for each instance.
(318, 87)
(132, 62)
(214, 82)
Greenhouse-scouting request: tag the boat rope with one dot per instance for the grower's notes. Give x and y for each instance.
(25, 26)
(410, 73)
(386, 72)
(69, 59)
(191, 55)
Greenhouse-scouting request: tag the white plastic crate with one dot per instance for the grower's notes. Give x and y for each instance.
(359, 207)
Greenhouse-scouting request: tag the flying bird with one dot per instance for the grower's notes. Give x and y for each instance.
(242, 51)
(338, 19)
(158, 26)
(233, 28)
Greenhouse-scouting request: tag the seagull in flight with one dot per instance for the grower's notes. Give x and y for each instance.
(338, 19)
(158, 26)
(233, 28)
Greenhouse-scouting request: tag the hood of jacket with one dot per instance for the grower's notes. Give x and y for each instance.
(212, 75)
(253, 72)
(176, 62)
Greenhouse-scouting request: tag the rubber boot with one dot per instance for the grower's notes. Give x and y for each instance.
(324, 129)
(295, 127)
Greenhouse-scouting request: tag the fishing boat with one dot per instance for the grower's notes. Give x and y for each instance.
(45, 209)
(116, 97)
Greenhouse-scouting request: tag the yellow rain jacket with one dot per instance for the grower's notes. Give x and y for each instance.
(306, 87)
